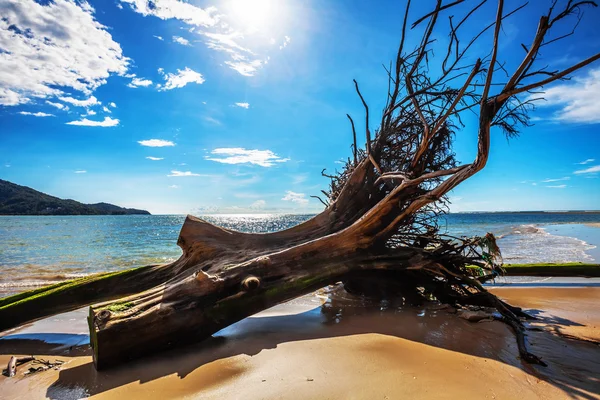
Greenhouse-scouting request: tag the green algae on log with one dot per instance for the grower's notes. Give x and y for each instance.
(76, 293)
(569, 269)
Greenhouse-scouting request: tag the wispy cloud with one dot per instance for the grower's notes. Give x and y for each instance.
(589, 160)
(294, 197)
(244, 67)
(106, 110)
(557, 186)
(182, 173)
(180, 79)
(169, 9)
(54, 46)
(158, 37)
(81, 171)
(173, 187)
(108, 122)
(590, 170)
(60, 106)
(286, 41)
(566, 178)
(212, 120)
(91, 101)
(243, 60)
(238, 155)
(243, 105)
(258, 205)
(36, 114)
(154, 158)
(137, 82)
(578, 101)
(156, 143)
(299, 178)
(182, 41)
(112, 104)
(219, 31)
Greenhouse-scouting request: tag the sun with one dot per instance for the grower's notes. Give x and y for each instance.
(253, 14)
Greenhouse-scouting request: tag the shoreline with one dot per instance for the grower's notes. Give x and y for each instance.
(330, 345)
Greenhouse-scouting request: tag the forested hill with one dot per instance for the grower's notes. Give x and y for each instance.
(22, 200)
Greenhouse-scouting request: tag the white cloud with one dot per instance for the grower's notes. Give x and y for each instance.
(154, 158)
(156, 143)
(579, 101)
(181, 78)
(181, 41)
(182, 173)
(37, 114)
(589, 160)
(243, 105)
(81, 171)
(286, 41)
(294, 197)
(54, 45)
(60, 106)
(168, 9)
(173, 187)
(238, 155)
(243, 60)
(557, 186)
(566, 178)
(137, 82)
(590, 170)
(91, 101)
(112, 104)
(108, 122)
(246, 68)
(258, 204)
(217, 33)
(158, 37)
(212, 120)
(105, 109)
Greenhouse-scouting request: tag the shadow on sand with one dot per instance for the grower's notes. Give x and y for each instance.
(572, 364)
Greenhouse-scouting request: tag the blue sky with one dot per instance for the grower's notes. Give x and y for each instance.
(236, 106)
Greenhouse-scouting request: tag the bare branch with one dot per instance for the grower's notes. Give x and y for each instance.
(321, 200)
(505, 95)
(366, 116)
(490, 73)
(354, 149)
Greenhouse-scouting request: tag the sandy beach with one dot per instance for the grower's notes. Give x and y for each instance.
(329, 345)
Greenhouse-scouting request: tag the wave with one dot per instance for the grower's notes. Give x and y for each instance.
(531, 243)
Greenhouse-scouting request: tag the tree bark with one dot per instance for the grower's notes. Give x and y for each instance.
(216, 289)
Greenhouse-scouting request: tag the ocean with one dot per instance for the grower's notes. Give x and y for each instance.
(37, 251)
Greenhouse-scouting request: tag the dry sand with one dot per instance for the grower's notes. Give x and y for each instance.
(338, 347)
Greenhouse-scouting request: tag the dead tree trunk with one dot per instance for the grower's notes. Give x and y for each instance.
(380, 225)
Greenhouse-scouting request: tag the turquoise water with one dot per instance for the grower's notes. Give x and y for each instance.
(40, 250)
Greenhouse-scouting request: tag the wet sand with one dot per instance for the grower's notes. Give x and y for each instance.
(329, 345)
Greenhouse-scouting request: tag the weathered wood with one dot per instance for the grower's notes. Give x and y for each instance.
(217, 293)
(14, 362)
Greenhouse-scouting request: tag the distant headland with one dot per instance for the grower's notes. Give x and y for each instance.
(22, 200)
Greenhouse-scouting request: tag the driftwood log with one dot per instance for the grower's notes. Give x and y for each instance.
(379, 231)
